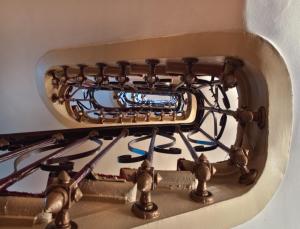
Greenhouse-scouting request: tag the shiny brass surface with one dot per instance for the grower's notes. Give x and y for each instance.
(239, 157)
(146, 181)
(203, 171)
(61, 196)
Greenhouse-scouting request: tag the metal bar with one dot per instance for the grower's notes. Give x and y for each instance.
(188, 145)
(218, 110)
(92, 163)
(26, 149)
(207, 84)
(16, 176)
(151, 145)
(220, 144)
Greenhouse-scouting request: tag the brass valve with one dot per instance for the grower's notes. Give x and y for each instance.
(63, 79)
(189, 77)
(122, 77)
(229, 78)
(203, 171)
(146, 180)
(100, 76)
(55, 80)
(81, 77)
(151, 77)
(245, 116)
(239, 157)
(61, 196)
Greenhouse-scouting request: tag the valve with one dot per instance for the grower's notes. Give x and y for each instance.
(189, 77)
(100, 77)
(146, 180)
(63, 79)
(239, 157)
(151, 77)
(122, 77)
(245, 116)
(60, 197)
(203, 171)
(80, 77)
(54, 80)
(229, 78)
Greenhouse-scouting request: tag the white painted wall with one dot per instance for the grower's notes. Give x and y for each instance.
(279, 22)
(28, 29)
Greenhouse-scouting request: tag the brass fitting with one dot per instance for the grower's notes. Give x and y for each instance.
(54, 98)
(151, 77)
(203, 171)
(59, 137)
(122, 77)
(239, 158)
(54, 80)
(189, 77)
(3, 143)
(63, 79)
(229, 78)
(245, 116)
(146, 180)
(61, 196)
(81, 77)
(100, 77)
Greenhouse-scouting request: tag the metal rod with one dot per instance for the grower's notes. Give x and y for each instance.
(26, 149)
(16, 176)
(92, 163)
(220, 144)
(188, 145)
(218, 110)
(208, 84)
(151, 145)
